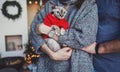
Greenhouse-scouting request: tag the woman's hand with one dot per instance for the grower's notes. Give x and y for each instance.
(55, 37)
(43, 29)
(62, 54)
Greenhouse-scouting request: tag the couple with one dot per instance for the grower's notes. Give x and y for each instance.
(80, 38)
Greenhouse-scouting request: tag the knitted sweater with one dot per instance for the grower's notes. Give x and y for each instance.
(82, 32)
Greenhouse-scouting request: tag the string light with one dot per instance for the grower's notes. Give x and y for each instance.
(36, 2)
(30, 2)
(31, 56)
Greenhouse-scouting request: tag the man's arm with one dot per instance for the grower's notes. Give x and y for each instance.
(107, 47)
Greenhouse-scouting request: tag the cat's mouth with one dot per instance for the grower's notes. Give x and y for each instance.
(61, 16)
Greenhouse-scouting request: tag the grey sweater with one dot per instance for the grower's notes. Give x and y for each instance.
(82, 32)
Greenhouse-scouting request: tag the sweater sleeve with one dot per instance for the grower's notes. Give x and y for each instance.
(83, 33)
(36, 40)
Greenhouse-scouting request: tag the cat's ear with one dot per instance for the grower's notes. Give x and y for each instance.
(53, 4)
(66, 6)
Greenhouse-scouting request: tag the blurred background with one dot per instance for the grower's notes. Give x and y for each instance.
(16, 52)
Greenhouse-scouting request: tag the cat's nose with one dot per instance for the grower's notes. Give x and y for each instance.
(61, 15)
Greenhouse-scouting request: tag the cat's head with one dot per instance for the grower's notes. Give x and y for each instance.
(59, 11)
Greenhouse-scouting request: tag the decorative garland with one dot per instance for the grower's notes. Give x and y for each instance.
(5, 11)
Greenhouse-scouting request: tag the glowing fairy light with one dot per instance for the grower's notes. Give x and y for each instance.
(30, 2)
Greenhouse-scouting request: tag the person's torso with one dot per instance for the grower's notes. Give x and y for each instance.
(108, 29)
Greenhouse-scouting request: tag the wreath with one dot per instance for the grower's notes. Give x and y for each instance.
(5, 11)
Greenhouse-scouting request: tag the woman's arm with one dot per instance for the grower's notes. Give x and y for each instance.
(84, 32)
(39, 43)
(36, 40)
(62, 54)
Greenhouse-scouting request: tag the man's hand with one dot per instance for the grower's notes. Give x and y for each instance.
(90, 48)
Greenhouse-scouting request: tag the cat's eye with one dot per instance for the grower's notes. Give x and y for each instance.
(57, 11)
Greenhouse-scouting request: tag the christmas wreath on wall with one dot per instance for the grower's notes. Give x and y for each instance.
(7, 14)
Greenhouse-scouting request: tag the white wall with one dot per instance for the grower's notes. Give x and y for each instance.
(13, 27)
